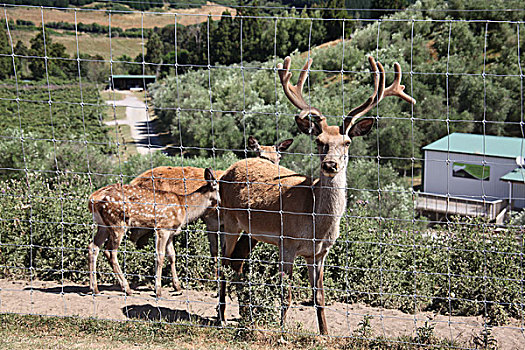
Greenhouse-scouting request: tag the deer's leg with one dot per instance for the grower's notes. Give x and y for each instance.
(287, 257)
(212, 228)
(170, 254)
(111, 253)
(160, 249)
(93, 250)
(230, 236)
(315, 276)
(242, 251)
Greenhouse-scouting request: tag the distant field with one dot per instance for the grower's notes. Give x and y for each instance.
(88, 43)
(122, 20)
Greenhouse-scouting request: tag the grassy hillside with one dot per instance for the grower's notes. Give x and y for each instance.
(135, 19)
(94, 44)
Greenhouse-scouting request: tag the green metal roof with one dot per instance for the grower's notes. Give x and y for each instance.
(496, 146)
(123, 76)
(516, 175)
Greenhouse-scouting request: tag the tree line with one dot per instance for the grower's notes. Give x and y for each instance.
(94, 28)
(464, 75)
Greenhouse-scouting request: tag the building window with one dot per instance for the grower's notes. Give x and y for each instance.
(471, 171)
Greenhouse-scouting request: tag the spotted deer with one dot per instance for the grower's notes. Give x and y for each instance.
(184, 180)
(278, 206)
(116, 208)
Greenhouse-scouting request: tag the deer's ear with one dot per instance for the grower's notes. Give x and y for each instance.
(208, 175)
(307, 127)
(283, 146)
(360, 128)
(253, 144)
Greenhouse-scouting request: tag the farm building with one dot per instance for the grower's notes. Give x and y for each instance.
(130, 82)
(473, 175)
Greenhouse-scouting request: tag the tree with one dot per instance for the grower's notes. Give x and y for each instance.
(225, 40)
(42, 46)
(386, 5)
(20, 62)
(252, 32)
(334, 29)
(6, 65)
(154, 53)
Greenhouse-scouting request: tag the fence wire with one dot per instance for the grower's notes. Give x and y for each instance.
(419, 241)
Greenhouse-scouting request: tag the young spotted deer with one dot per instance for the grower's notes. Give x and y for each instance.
(182, 180)
(299, 215)
(117, 207)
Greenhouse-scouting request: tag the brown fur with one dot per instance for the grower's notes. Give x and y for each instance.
(116, 208)
(278, 206)
(183, 180)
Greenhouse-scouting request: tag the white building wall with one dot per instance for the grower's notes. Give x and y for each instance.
(518, 195)
(438, 176)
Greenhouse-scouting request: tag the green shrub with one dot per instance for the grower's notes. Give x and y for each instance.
(464, 268)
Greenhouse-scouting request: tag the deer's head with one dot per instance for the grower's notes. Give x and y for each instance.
(271, 153)
(333, 141)
(211, 188)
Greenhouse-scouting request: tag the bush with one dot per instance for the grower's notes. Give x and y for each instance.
(464, 268)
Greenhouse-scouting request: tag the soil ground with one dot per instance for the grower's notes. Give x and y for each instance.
(198, 307)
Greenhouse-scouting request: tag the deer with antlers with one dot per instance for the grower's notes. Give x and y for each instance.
(117, 207)
(278, 206)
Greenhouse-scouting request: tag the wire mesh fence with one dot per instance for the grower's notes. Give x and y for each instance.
(388, 221)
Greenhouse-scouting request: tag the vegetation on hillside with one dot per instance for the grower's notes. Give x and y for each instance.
(464, 74)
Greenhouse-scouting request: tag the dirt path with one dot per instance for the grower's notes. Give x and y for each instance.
(142, 128)
(53, 299)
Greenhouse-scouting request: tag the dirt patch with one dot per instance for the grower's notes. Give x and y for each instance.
(122, 20)
(198, 307)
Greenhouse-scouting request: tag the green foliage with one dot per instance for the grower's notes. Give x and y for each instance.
(154, 49)
(485, 340)
(41, 67)
(479, 104)
(462, 268)
(53, 112)
(6, 65)
(365, 178)
(44, 226)
(425, 333)
(383, 257)
(259, 289)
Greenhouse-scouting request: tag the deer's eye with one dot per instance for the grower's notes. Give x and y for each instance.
(347, 143)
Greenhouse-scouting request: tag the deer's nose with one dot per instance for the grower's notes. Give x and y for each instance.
(329, 166)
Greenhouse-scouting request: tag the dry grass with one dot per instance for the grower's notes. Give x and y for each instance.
(88, 43)
(108, 95)
(122, 134)
(121, 20)
(37, 332)
(118, 114)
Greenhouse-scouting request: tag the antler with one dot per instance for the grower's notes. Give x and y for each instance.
(395, 89)
(295, 92)
(379, 90)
